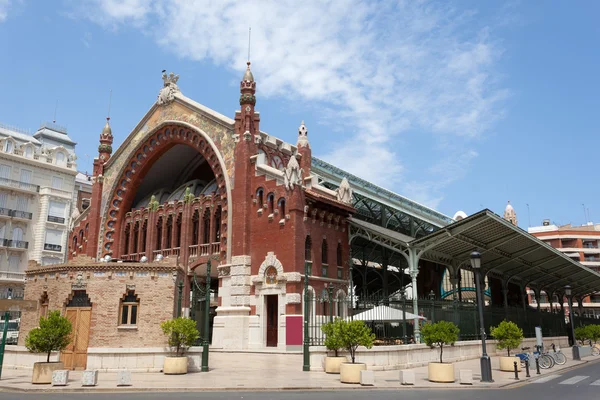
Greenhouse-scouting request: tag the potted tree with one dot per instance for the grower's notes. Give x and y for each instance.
(439, 334)
(333, 342)
(53, 334)
(181, 334)
(509, 336)
(353, 334)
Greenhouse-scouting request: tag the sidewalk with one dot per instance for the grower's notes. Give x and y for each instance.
(252, 371)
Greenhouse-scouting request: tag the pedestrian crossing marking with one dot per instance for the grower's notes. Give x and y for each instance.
(595, 383)
(573, 380)
(546, 378)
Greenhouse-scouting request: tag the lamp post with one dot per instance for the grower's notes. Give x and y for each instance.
(572, 321)
(306, 366)
(432, 300)
(404, 332)
(180, 287)
(485, 362)
(206, 341)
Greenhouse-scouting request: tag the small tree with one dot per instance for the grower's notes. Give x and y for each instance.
(181, 333)
(333, 340)
(354, 334)
(508, 335)
(594, 332)
(582, 333)
(53, 334)
(439, 334)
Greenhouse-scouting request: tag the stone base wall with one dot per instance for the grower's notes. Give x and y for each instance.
(148, 359)
(416, 355)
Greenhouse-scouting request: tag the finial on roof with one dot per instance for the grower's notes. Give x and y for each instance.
(302, 135)
(248, 77)
(107, 131)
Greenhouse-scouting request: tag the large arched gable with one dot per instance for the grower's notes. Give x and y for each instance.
(118, 198)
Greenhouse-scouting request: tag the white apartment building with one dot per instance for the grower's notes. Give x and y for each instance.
(37, 183)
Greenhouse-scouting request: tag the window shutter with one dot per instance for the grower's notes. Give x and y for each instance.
(26, 176)
(57, 182)
(22, 203)
(56, 209)
(3, 199)
(5, 171)
(17, 234)
(54, 237)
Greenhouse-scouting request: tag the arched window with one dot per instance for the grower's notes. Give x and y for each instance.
(206, 227)
(271, 201)
(159, 233)
(281, 207)
(129, 309)
(60, 158)
(339, 255)
(324, 263)
(308, 249)
(8, 146)
(28, 152)
(74, 243)
(17, 234)
(259, 197)
(277, 163)
(218, 224)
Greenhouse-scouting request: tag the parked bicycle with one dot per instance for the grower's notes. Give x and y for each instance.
(544, 360)
(595, 348)
(557, 356)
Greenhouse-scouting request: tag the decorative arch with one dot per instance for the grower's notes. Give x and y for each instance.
(157, 142)
(270, 261)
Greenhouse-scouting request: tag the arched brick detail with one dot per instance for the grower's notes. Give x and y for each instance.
(270, 260)
(133, 171)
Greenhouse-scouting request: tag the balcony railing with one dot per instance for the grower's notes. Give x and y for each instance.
(18, 244)
(4, 243)
(12, 276)
(21, 214)
(59, 220)
(19, 185)
(5, 212)
(52, 247)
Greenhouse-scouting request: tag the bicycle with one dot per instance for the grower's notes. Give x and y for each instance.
(595, 349)
(544, 360)
(558, 356)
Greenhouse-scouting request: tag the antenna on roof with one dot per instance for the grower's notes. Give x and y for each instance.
(584, 213)
(249, 34)
(528, 215)
(109, 101)
(55, 108)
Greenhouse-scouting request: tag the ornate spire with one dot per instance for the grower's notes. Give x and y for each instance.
(248, 74)
(510, 214)
(247, 88)
(303, 136)
(106, 140)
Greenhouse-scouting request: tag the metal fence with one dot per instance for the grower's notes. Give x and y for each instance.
(392, 319)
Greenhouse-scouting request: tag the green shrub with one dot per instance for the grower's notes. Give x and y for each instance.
(181, 333)
(333, 339)
(439, 334)
(508, 335)
(582, 334)
(354, 334)
(53, 334)
(594, 332)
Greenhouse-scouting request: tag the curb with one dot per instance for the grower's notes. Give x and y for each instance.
(514, 385)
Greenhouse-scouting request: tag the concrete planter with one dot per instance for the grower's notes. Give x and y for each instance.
(508, 364)
(42, 371)
(438, 372)
(332, 364)
(175, 365)
(350, 373)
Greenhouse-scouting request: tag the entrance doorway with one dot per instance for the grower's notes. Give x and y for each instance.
(272, 320)
(79, 313)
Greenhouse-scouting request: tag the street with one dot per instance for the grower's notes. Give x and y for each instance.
(578, 384)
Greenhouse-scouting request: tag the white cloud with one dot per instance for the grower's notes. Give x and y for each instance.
(4, 4)
(374, 69)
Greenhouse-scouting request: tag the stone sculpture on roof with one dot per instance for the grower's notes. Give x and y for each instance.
(167, 93)
(344, 192)
(292, 174)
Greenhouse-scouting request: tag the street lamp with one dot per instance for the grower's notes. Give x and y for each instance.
(485, 362)
(432, 300)
(404, 332)
(572, 321)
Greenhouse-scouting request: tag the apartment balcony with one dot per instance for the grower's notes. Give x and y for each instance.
(21, 214)
(17, 244)
(63, 194)
(5, 212)
(19, 186)
(52, 247)
(10, 276)
(56, 220)
(4, 243)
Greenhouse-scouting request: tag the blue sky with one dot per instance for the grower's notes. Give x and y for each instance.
(458, 105)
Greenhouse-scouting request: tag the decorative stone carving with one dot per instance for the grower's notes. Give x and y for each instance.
(271, 275)
(303, 136)
(78, 285)
(271, 265)
(292, 174)
(167, 93)
(344, 192)
(224, 271)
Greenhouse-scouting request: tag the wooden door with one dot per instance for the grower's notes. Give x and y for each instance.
(75, 355)
(272, 322)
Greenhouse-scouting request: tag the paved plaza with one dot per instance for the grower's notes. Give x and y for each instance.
(263, 371)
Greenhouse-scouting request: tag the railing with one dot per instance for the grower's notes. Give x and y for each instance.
(216, 248)
(19, 185)
(194, 250)
(52, 247)
(21, 214)
(5, 211)
(15, 294)
(52, 218)
(18, 244)
(4, 243)
(12, 276)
